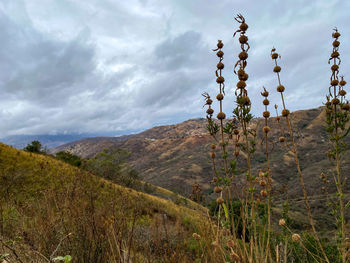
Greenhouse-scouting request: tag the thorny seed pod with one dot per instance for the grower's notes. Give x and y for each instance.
(261, 174)
(342, 82)
(282, 139)
(335, 101)
(209, 101)
(266, 114)
(212, 155)
(285, 113)
(217, 189)
(282, 222)
(220, 65)
(266, 102)
(213, 146)
(278, 118)
(240, 72)
(220, 200)
(336, 34)
(263, 193)
(336, 43)
(220, 54)
(241, 84)
(210, 111)
(236, 132)
(277, 69)
(243, 39)
(243, 27)
(274, 55)
(266, 129)
(196, 236)
(221, 115)
(230, 243)
(342, 93)
(220, 96)
(246, 100)
(280, 88)
(262, 183)
(220, 79)
(243, 55)
(334, 67)
(334, 82)
(265, 93)
(335, 54)
(296, 237)
(220, 44)
(244, 77)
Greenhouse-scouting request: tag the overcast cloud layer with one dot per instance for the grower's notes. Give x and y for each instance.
(104, 66)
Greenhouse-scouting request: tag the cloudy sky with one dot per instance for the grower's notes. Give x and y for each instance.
(113, 66)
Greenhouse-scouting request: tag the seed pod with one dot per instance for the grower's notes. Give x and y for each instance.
(243, 27)
(342, 92)
(334, 67)
(220, 54)
(196, 236)
(278, 118)
(236, 152)
(266, 102)
(285, 113)
(246, 100)
(265, 93)
(336, 34)
(215, 179)
(274, 55)
(263, 193)
(221, 115)
(213, 146)
(282, 222)
(220, 79)
(212, 155)
(236, 132)
(243, 39)
(220, 96)
(209, 101)
(335, 54)
(230, 243)
(210, 111)
(296, 237)
(342, 82)
(220, 44)
(220, 65)
(336, 43)
(243, 77)
(220, 200)
(266, 129)
(334, 82)
(243, 55)
(241, 84)
(280, 88)
(240, 72)
(282, 139)
(277, 69)
(261, 174)
(262, 183)
(346, 107)
(217, 189)
(335, 101)
(266, 114)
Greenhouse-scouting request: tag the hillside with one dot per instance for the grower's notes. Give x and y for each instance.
(49, 208)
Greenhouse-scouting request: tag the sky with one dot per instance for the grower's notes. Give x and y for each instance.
(113, 66)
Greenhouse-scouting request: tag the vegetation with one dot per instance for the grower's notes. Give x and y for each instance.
(68, 157)
(34, 147)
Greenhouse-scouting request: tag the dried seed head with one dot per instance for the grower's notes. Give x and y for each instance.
(221, 115)
(262, 183)
(209, 101)
(220, 54)
(240, 72)
(335, 54)
(220, 79)
(335, 101)
(263, 193)
(212, 155)
(274, 55)
(241, 84)
(210, 111)
(336, 43)
(336, 34)
(230, 243)
(261, 174)
(220, 96)
(196, 236)
(334, 82)
(213, 146)
(285, 113)
(296, 237)
(266, 114)
(220, 44)
(334, 67)
(220, 65)
(243, 39)
(236, 152)
(277, 69)
(280, 88)
(243, 77)
(246, 100)
(236, 132)
(342, 82)
(346, 107)
(243, 55)
(342, 92)
(282, 222)
(217, 189)
(243, 27)
(282, 139)
(265, 93)
(215, 179)
(266, 102)
(220, 200)
(266, 129)
(278, 118)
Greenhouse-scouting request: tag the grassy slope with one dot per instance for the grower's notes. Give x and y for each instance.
(42, 200)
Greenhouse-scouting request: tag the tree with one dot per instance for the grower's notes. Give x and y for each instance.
(34, 147)
(70, 158)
